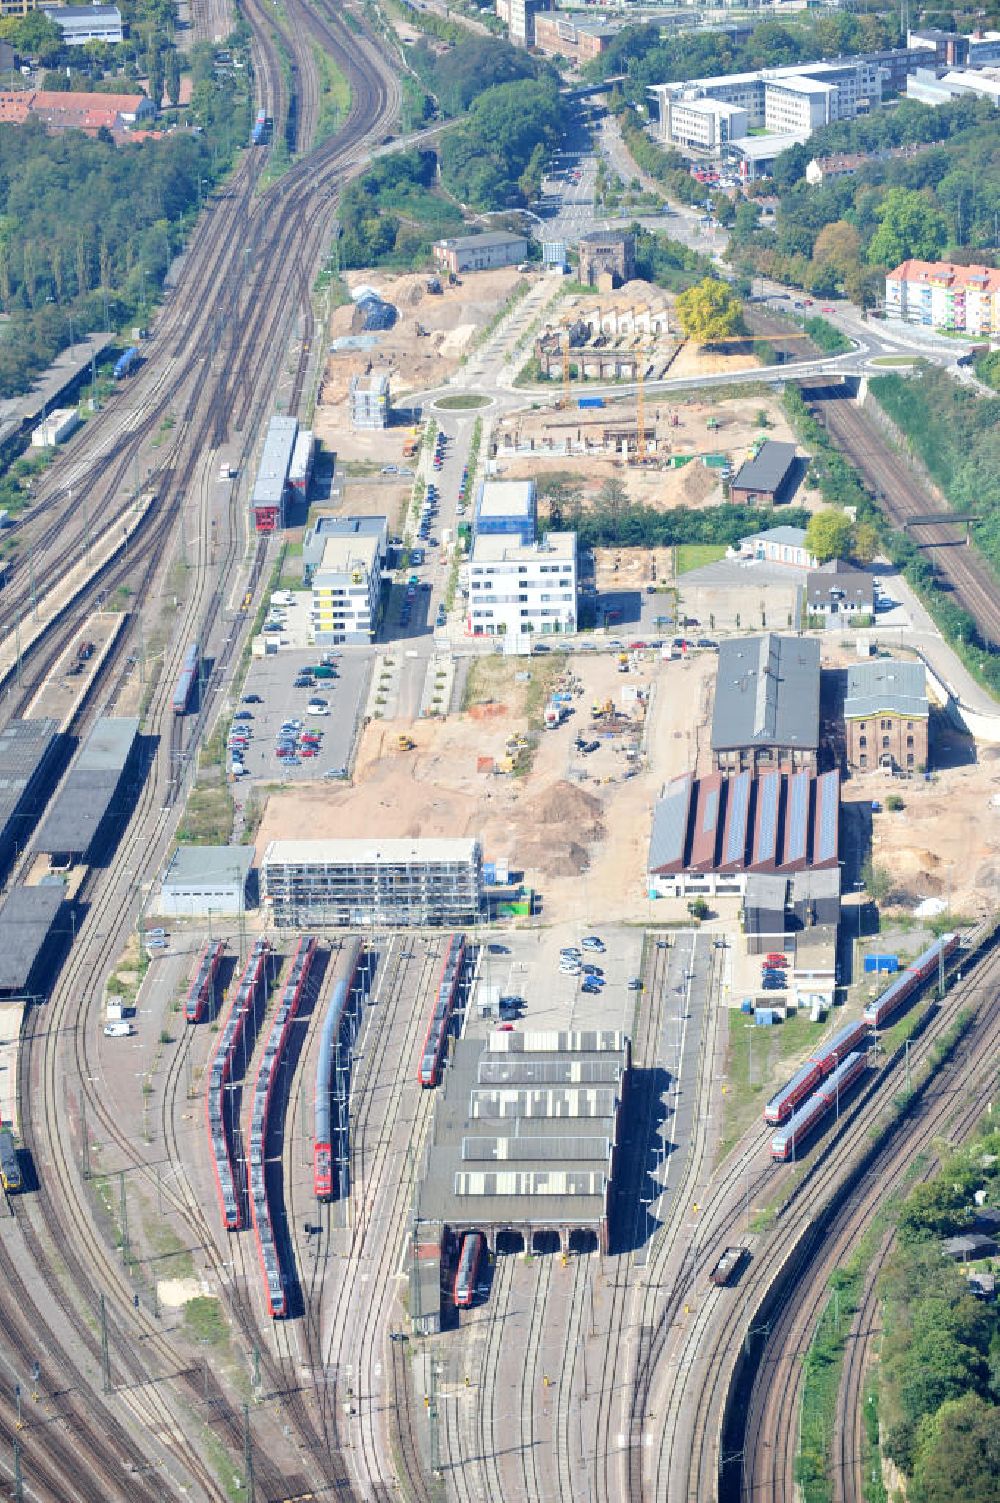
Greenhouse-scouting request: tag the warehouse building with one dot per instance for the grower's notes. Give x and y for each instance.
(768, 479)
(710, 834)
(369, 402)
(346, 590)
(887, 715)
(78, 821)
(271, 486)
(508, 508)
(766, 710)
(30, 939)
(527, 1127)
(464, 253)
(81, 24)
(202, 880)
(518, 591)
(29, 753)
(397, 883)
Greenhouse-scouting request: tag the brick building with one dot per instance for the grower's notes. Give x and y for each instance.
(886, 716)
(766, 712)
(607, 252)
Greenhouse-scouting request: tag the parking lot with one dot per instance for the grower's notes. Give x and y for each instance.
(526, 964)
(273, 680)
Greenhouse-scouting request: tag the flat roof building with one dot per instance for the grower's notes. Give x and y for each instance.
(347, 589)
(324, 528)
(767, 477)
(525, 1136)
(271, 486)
(516, 590)
(766, 704)
(87, 797)
(462, 253)
(27, 918)
(202, 880)
(508, 507)
(779, 545)
(81, 24)
(399, 882)
(28, 754)
(887, 715)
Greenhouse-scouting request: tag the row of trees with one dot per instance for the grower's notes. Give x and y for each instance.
(939, 1375)
(88, 229)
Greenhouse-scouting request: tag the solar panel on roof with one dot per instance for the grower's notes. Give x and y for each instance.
(736, 832)
(711, 815)
(828, 810)
(797, 819)
(767, 826)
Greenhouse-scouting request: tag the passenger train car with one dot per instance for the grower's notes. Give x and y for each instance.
(432, 1053)
(324, 1132)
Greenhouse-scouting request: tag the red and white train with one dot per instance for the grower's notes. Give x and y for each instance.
(432, 1053)
(199, 995)
(219, 1072)
(344, 979)
(467, 1272)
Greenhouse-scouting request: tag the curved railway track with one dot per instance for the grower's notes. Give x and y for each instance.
(903, 497)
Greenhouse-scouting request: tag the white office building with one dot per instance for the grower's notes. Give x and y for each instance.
(346, 586)
(81, 24)
(517, 588)
(706, 124)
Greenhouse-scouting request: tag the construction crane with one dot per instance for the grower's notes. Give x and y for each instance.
(566, 399)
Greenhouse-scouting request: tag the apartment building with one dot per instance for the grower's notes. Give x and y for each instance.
(388, 882)
(940, 295)
(517, 588)
(346, 586)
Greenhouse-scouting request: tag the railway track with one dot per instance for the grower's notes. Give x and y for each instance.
(903, 497)
(960, 1091)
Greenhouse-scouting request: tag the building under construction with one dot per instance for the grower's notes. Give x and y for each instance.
(369, 401)
(357, 883)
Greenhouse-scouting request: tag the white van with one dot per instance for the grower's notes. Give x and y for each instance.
(118, 1030)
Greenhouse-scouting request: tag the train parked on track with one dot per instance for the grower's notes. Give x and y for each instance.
(324, 1133)
(432, 1053)
(10, 1169)
(882, 1008)
(829, 1055)
(275, 1282)
(263, 128)
(199, 994)
(787, 1139)
(187, 680)
(219, 1072)
(467, 1273)
(126, 364)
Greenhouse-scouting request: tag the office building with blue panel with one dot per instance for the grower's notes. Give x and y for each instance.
(507, 508)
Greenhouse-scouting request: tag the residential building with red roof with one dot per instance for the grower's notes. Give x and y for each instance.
(940, 295)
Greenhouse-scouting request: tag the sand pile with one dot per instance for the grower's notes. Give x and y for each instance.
(556, 829)
(697, 482)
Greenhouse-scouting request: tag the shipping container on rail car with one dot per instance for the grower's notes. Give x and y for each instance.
(187, 680)
(343, 985)
(467, 1274)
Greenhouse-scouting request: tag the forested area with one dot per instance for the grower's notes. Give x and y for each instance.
(391, 215)
(88, 229)
(941, 200)
(939, 1372)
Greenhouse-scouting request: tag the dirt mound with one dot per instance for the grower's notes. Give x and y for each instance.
(697, 481)
(493, 709)
(552, 857)
(566, 804)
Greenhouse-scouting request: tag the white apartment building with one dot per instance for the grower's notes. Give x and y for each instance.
(800, 105)
(346, 586)
(517, 588)
(708, 124)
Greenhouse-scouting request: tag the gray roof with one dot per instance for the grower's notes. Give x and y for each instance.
(86, 795)
(881, 686)
(765, 890)
(25, 920)
(768, 471)
(767, 693)
(849, 584)
(670, 821)
(491, 237)
(209, 864)
(83, 12)
(514, 1166)
(275, 459)
(25, 746)
(606, 237)
(795, 537)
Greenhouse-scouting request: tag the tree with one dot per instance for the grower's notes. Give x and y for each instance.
(866, 543)
(698, 909)
(710, 311)
(838, 245)
(828, 534)
(958, 1460)
(877, 880)
(910, 224)
(173, 77)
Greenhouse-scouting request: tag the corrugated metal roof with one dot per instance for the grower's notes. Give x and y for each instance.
(208, 864)
(538, 1041)
(556, 1101)
(523, 1070)
(767, 693)
(523, 1149)
(668, 837)
(530, 1182)
(275, 458)
(706, 823)
(883, 686)
(476, 242)
(24, 747)
(765, 846)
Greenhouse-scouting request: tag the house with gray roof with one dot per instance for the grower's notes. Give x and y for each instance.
(766, 711)
(836, 590)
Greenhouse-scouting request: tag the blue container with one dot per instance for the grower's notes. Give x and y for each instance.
(876, 963)
(590, 401)
(489, 872)
(763, 1017)
(746, 1005)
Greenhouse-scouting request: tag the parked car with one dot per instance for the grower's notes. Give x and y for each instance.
(252, 699)
(243, 715)
(590, 988)
(635, 984)
(593, 942)
(593, 970)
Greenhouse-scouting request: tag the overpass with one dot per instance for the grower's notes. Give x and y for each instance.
(589, 91)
